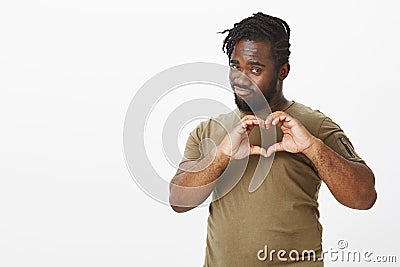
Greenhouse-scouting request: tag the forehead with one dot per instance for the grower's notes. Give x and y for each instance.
(252, 49)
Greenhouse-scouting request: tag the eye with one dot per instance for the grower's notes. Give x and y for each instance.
(255, 70)
(235, 67)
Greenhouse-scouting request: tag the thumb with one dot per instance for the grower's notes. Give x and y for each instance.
(275, 148)
(257, 150)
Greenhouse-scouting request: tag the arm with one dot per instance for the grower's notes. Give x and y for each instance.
(195, 180)
(351, 183)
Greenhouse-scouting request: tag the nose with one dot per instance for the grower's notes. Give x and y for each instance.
(239, 78)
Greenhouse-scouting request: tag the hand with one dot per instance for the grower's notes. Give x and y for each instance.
(296, 138)
(236, 144)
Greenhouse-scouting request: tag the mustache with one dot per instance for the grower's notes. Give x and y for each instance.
(245, 87)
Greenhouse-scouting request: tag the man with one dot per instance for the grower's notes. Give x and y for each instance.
(282, 214)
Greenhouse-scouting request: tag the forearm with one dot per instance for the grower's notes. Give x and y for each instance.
(351, 183)
(192, 187)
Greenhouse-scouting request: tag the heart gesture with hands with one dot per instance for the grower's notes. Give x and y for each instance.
(296, 138)
(236, 144)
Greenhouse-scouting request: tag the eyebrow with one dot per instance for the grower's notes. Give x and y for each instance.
(250, 62)
(256, 63)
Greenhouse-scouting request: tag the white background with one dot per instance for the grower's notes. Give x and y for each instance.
(68, 71)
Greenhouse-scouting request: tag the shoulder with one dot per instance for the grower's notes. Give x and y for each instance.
(311, 118)
(216, 125)
(303, 112)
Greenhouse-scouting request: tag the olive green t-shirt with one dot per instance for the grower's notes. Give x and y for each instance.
(282, 214)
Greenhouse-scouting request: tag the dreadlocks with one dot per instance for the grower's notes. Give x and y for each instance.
(261, 27)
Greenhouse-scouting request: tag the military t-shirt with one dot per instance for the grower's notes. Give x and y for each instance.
(250, 228)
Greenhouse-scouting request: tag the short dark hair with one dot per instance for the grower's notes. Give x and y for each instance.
(261, 27)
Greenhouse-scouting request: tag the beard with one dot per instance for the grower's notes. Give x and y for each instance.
(257, 103)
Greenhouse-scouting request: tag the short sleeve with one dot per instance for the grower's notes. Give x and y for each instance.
(192, 148)
(334, 137)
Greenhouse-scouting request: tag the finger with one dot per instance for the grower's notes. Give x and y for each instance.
(252, 117)
(253, 122)
(271, 117)
(283, 119)
(280, 121)
(274, 148)
(249, 117)
(257, 150)
(250, 123)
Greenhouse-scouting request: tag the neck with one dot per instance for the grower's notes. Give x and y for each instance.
(279, 103)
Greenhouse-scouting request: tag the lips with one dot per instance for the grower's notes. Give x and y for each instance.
(242, 92)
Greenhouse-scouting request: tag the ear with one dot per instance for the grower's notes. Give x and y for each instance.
(284, 71)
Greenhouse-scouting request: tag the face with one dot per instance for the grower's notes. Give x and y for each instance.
(253, 75)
